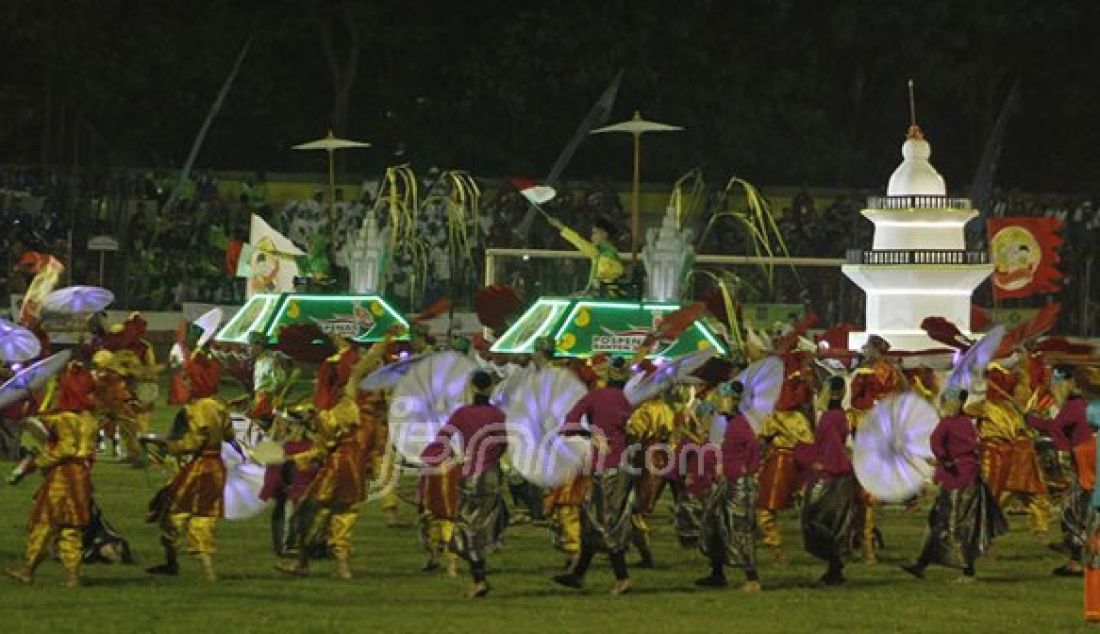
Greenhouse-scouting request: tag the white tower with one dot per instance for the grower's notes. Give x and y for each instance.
(366, 256)
(668, 256)
(919, 265)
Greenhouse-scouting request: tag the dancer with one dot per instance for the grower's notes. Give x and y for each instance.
(783, 431)
(331, 505)
(648, 431)
(63, 503)
(562, 505)
(482, 515)
(1072, 435)
(268, 380)
(965, 517)
(605, 515)
(115, 404)
(831, 498)
(1010, 465)
(875, 379)
(286, 484)
(193, 501)
(727, 535)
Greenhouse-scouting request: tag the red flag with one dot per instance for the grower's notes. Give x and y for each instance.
(1024, 252)
(233, 256)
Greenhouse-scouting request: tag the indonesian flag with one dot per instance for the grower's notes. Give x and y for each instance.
(535, 193)
(1024, 252)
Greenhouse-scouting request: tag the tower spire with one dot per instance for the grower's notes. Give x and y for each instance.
(914, 129)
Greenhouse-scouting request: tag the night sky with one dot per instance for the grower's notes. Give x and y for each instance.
(784, 92)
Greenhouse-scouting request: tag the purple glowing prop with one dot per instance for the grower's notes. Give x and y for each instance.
(537, 451)
(891, 450)
(425, 398)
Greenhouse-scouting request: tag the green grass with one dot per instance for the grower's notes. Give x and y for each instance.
(1016, 592)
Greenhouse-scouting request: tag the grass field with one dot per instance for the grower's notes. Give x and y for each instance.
(1016, 592)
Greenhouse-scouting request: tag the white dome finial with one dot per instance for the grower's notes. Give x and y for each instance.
(915, 176)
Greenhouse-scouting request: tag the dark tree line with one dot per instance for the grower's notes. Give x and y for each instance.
(777, 91)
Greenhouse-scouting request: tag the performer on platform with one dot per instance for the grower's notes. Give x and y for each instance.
(193, 501)
(482, 515)
(62, 505)
(605, 515)
(829, 508)
(727, 528)
(875, 379)
(783, 431)
(1073, 438)
(607, 267)
(965, 518)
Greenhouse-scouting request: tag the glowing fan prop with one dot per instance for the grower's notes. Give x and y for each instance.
(425, 398)
(971, 366)
(642, 387)
(763, 381)
(17, 344)
(243, 481)
(538, 452)
(891, 449)
(387, 376)
(509, 387)
(32, 378)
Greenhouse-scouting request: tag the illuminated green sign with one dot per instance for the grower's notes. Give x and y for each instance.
(360, 318)
(582, 327)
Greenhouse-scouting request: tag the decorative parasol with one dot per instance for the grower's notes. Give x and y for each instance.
(32, 378)
(538, 452)
(636, 126)
(209, 322)
(387, 376)
(243, 481)
(17, 344)
(763, 381)
(971, 366)
(78, 299)
(330, 143)
(425, 398)
(891, 449)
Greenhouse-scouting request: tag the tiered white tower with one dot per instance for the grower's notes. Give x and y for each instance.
(367, 257)
(668, 256)
(918, 265)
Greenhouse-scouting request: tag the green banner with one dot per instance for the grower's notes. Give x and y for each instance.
(360, 318)
(585, 327)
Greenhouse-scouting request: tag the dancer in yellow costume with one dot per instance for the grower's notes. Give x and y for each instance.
(63, 504)
(193, 501)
